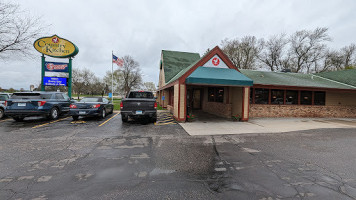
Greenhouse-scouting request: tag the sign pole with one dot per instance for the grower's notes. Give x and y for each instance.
(43, 73)
(70, 78)
(112, 77)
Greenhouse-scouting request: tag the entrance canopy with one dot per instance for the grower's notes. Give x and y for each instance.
(218, 76)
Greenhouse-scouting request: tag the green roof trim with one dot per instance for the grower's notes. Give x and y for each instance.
(343, 76)
(174, 62)
(218, 76)
(292, 79)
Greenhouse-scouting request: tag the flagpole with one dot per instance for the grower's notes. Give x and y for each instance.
(112, 77)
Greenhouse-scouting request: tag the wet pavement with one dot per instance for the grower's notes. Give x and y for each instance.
(208, 124)
(91, 159)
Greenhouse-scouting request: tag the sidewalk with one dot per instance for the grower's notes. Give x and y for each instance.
(264, 125)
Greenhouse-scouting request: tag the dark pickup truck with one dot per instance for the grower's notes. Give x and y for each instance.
(139, 104)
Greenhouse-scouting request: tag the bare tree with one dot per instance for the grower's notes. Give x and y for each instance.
(273, 52)
(242, 53)
(131, 75)
(126, 78)
(149, 86)
(307, 48)
(17, 30)
(97, 86)
(81, 81)
(348, 54)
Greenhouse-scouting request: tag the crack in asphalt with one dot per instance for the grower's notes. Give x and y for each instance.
(313, 180)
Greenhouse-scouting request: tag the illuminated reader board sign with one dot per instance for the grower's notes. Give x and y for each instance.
(55, 81)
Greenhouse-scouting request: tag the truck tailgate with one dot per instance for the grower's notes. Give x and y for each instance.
(138, 104)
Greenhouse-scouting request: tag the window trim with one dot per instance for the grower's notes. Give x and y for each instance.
(299, 90)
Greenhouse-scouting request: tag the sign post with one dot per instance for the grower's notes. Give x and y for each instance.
(56, 47)
(43, 73)
(70, 78)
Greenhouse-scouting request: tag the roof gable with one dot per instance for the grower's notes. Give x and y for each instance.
(208, 57)
(216, 62)
(174, 61)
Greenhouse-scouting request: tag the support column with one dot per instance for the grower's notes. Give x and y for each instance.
(245, 103)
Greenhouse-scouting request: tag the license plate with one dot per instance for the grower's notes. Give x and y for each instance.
(138, 112)
(21, 104)
(82, 112)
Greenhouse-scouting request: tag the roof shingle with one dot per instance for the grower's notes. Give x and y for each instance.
(343, 76)
(292, 79)
(175, 61)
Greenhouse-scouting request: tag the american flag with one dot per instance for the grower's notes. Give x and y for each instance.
(118, 61)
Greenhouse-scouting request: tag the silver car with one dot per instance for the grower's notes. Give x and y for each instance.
(3, 98)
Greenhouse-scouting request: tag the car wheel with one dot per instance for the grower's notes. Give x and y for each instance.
(53, 114)
(103, 113)
(154, 119)
(1, 113)
(124, 119)
(75, 117)
(18, 119)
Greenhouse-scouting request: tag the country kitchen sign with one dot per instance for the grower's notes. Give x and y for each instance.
(55, 46)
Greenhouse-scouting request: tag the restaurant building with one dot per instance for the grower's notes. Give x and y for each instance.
(188, 82)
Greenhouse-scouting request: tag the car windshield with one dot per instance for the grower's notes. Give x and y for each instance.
(3, 97)
(31, 96)
(147, 95)
(90, 99)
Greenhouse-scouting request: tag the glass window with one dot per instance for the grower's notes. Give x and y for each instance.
(261, 96)
(292, 97)
(251, 96)
(59, 96)
(143, 95)
(31, 96)
(306, 97)
(319, 98)
(211, 95)
(66, 97)
(277, 96)
(216, 95)
(91, 99)
(3, 97)
(220, 95)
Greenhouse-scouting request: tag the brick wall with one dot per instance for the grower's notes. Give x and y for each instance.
(219, 109)
(258, 110)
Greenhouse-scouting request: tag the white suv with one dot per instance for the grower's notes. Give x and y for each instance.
(3, 98)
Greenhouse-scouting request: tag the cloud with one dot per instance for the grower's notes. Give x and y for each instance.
(143, 28)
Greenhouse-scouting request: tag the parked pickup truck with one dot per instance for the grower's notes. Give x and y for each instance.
(139, 104)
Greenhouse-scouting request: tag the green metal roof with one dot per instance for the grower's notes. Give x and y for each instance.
(174, 62)
(292, 79)
(218, 76)
(343, 76)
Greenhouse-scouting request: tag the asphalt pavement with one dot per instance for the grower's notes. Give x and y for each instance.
(108, 159)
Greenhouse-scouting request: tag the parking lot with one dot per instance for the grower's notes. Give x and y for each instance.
(106, 159)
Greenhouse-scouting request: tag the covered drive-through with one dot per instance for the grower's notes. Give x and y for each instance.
(211, 84)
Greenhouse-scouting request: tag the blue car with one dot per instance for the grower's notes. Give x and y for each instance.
(28, 104)
(91, 106)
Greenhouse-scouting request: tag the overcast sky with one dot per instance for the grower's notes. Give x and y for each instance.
(143, 28)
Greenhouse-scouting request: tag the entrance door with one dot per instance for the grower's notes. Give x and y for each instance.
(196, 99)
